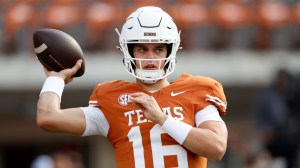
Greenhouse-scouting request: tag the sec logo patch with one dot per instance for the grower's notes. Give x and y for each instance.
(123, 99)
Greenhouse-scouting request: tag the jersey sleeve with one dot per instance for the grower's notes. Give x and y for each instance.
(93, 98)
(96, 123)
(98, 93)
(210, 92)
(103, 99)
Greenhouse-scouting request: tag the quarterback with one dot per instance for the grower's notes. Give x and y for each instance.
(151, 122)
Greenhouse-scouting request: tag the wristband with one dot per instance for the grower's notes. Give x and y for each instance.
(178, 130)
(54, 84)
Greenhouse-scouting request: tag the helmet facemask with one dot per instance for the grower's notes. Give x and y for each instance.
(163, 68)
(149, 25)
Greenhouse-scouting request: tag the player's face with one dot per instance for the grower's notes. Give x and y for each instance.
(150, 51)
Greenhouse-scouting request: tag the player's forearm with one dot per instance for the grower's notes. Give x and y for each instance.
(207, 143)
(48, 105)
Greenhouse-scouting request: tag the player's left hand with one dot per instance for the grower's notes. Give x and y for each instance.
(149, 106)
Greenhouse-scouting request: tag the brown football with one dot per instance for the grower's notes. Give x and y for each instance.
(57, 50)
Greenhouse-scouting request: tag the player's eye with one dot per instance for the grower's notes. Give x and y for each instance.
(159, 50)
(142, 50)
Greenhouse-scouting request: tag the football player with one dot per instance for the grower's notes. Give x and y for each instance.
(151, 122)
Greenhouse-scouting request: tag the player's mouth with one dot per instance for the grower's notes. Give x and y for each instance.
(150, 67)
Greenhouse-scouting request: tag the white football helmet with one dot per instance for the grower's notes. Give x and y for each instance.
(149, 25)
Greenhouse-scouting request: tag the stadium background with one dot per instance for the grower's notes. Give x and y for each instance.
(241, 43)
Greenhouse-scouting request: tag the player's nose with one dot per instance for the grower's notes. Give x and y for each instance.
(151, 55)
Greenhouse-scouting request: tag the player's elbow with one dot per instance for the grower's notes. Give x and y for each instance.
(44, 120)
(214, 152)
(218, 152)
(43, 123)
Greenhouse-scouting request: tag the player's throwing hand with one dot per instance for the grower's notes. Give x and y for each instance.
(66, 74)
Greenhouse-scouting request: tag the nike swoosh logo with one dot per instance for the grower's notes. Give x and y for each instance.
(177, 93)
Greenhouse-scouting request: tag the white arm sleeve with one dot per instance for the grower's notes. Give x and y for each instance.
(210, 112)
(96, 123)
